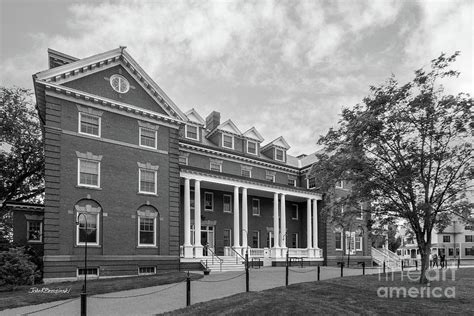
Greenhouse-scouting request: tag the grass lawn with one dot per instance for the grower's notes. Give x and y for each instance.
(347, 296)
(20, 296)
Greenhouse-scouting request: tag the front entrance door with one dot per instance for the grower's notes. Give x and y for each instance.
(207, 238)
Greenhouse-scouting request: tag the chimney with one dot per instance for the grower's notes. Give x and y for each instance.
(213, 120)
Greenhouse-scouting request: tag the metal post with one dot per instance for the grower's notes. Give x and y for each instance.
(342, 269)
(416, 265)
(402, 265)
(286, 269)
(84, 287)
(188, 290)
(83, 304)
(319, 272)
(363, 268)
(384, 267)
(459, 262)
(247, 272)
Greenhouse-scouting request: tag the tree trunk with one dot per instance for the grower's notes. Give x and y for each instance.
(425, 261)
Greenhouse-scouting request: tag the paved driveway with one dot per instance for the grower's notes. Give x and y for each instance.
(163, 298)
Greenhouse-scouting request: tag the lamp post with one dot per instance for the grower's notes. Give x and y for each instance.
(84, 288)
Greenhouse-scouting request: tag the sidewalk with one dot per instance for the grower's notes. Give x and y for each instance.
(159, 299)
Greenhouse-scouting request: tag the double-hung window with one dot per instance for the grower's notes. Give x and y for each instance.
(255, 207)
(292, 181)
(89, 124)
(311, 182)
(147, 137)
(89, 232)
(246, 171)
(294, 212)
(338, 239)
(279, 154)
(358, 243)
(208, 201)
(147, 227)
(227, 203)
(34, 231)
(256, 239)
(227, 141)
(146, 231)
(147, 181)
(270, 176)
(251, 147)
(192, 132)
(89, 173)
(215, 165)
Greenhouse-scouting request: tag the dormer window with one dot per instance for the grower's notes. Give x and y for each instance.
(279, 154)
(251, 147)
(227, 141)
(191, 132)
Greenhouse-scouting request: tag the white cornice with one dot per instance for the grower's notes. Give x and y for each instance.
(107, 104)
(236, 158)
(267, 187)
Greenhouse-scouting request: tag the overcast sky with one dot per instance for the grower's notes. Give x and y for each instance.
(285, 67)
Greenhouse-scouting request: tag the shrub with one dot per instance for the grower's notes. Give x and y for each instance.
(17, 268)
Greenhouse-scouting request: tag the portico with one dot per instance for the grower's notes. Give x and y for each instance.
(280, 195)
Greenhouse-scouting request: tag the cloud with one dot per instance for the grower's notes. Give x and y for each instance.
(445, 26)
(285, 67)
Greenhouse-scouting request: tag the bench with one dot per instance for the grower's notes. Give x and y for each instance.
(297, 259)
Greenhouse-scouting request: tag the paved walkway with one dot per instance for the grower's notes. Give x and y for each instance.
(163, 298)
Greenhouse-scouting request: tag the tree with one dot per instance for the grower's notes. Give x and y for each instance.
(408, 150)
(21, 149)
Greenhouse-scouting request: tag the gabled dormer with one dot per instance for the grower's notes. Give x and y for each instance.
(252, 141)
(276, 149)
(226, 135)
(194, 125)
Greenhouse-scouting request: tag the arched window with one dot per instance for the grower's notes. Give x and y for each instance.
(87, 222)
(147, 221)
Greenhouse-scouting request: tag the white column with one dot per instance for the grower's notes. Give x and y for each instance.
(244, 218)
(276, 233)
(236, 218)
(197, 219)
(283, 222)
(308, 224)
(188, 249)
(315, 223)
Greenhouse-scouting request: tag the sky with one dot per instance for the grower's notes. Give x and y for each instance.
(287, 68)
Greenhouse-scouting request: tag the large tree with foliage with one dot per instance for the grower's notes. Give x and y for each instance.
(21, 151)
(408, 149)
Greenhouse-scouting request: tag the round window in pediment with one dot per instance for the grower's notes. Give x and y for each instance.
(119, 83)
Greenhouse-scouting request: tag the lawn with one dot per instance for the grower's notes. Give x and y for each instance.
(20, 296)
(349, 296)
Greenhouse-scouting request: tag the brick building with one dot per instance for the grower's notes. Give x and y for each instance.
(159, 188)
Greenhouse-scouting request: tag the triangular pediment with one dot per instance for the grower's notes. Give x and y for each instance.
(229, 127)
(253, 134)
(194, 117)
(93, 75)
(279, 142)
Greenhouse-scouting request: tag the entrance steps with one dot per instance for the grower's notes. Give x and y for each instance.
(229, 263)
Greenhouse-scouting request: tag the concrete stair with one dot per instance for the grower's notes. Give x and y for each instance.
(228, 264)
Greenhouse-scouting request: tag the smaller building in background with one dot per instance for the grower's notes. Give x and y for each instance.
(455, 242)
(27, 220)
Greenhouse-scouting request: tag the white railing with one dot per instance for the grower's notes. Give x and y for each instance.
(298, 252)
(256, 252)
(383, 255)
